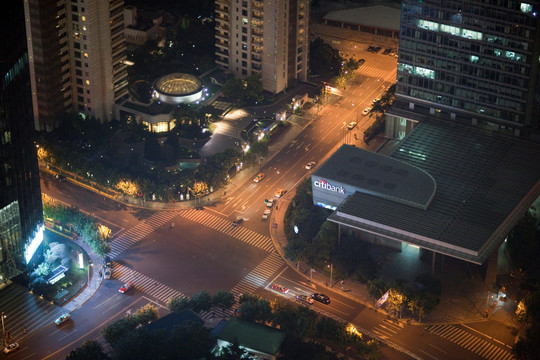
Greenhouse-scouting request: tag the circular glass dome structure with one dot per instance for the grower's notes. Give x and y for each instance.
(178, 88)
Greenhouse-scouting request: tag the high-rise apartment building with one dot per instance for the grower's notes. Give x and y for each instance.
(264, 38)
(474, 62)
(21, 211)
(76, 50)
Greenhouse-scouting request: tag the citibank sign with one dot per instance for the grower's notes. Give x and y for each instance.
(323, 184)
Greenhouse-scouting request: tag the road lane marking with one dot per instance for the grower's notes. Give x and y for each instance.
(441, 350)
(428, 354)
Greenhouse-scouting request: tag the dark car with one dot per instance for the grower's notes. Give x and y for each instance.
(107, 261)
(321, 298)
(237, 222)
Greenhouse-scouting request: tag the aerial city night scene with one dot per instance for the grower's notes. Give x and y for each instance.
(270, 179)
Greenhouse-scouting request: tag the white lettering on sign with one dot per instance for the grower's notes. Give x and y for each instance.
(323, 184)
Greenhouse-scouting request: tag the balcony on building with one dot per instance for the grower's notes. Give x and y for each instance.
(257, 15)
(223, 37)
(222, 10)
(222, 44)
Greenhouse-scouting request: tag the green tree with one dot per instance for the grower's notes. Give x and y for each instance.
(233, 89)
(223, 300)
(258, 311)
(176, 304)
(370, 349)
(253, 93)
(147, 314)
(201, 301)
(152, 149)
(90, 350)
(324, 60)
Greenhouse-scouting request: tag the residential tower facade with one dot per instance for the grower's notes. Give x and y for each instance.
(268, 39)
(77, 51)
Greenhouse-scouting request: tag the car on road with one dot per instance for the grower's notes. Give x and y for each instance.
(107, 260)
(269, 202)
(266, 214)
(351, 125)
(237, 222)
(61, 178)
(259, 177)
(107, 273)
(310, 165)
(376, 100)
(305, 299)
(62, 319)
(280, 288)
(10, 348)
(280, 192)
(321, 298)
(126, 287)
(366, 110)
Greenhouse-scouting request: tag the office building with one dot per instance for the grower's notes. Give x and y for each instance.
(473, 62)
(21, 212)
(264, 38)
(77, 52)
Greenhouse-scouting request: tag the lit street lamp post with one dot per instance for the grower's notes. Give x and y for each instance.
(3, 329)
(89, 266)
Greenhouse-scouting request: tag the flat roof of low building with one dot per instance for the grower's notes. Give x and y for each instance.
(485, 182)
(380, 175)
(379, 16)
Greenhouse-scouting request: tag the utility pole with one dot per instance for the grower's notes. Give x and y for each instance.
(3, 329)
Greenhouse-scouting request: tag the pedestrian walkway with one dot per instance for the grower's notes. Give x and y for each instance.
(145, 283)
(225, 226)
(139, 232)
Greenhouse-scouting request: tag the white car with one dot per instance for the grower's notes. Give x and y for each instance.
(310, 165)
(366, 110)
(107, 273)
(11, 347)
(62, 319)
(351, 125)
(270, 202)
(266, 214)
(376, 100)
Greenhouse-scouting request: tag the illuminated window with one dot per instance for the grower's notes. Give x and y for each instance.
(87, 82)
(473, 59)
(526, 8)
(83, 18)
(85, 55)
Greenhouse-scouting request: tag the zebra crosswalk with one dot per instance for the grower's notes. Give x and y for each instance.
(258, 277)
(238, 232)
(471, 342)
(145, 283)
(139, 232)
(374, 72)
(387, 328)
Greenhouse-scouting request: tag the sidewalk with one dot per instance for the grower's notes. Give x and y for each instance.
(89, 290)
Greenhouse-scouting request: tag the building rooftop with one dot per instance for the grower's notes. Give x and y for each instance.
(484, 183)
(378, 16)
(169, 321)
(380, 176)
(252, 335)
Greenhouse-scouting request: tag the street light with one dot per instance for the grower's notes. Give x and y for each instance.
(3, 329)
(89, 265)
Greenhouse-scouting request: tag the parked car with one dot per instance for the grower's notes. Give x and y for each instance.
(280, 192)
(126, 287)
(361, 61)
(10, 348)
(107, 273)
(266, 214)
(62, 319)
(259, 177)
(321, 298)
(310, 165)
(376, 100)
(351, 125)
(280, 288)
(305, 299)
(366, 110)
(237, 222)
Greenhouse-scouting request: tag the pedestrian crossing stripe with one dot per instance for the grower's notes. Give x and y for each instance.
(145, 283)
(139, 232)
(472, 343)
(225, 226)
